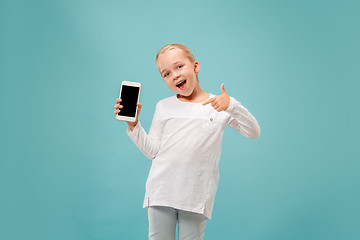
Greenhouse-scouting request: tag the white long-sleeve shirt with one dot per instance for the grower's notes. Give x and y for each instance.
(184, 144)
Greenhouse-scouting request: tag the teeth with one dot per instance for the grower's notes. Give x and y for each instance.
(180, 83)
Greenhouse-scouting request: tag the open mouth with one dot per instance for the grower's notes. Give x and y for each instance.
(181, 85)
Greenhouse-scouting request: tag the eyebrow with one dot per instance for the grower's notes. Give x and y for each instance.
(162, 72)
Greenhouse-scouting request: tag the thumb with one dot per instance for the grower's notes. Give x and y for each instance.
(139, 106)
(223, 89)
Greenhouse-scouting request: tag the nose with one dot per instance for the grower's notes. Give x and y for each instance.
(176, 76)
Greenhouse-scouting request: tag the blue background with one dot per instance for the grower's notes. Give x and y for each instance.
(69, 171)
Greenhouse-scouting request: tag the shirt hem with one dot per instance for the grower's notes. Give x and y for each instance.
(178, 207)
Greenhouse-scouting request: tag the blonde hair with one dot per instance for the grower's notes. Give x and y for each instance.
(179, 46)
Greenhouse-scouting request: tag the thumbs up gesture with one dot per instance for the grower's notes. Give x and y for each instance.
(220, 102)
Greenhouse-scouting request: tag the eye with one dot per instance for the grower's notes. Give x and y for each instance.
(180, 66)
(166, 74)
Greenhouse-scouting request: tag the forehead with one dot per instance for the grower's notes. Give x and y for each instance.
(170, 57)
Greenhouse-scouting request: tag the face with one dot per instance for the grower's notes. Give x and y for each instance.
(178, 71)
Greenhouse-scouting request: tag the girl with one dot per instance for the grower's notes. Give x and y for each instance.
(184, 144)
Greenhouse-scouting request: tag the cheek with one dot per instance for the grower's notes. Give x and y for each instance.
(168, 83)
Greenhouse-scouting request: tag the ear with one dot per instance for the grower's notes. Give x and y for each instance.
(196, 66)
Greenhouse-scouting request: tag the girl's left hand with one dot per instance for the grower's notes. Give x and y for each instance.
(221, 102)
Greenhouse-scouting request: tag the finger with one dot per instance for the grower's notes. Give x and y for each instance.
(118, 100)
(139, 105)
(117, 106)
(209, 101)
(117, 111)
(223, 89)
(215, 102)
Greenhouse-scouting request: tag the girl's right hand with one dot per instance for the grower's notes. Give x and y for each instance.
(118, 108)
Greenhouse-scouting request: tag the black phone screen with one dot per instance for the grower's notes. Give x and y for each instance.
(129, 96)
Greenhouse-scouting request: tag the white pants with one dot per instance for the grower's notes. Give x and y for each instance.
(162, 224)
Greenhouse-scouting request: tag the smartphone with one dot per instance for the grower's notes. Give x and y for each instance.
(130, 95)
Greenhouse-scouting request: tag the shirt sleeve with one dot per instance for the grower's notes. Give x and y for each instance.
(242, 120)
(149, 144)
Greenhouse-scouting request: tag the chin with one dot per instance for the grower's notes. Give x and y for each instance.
(187, 93)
